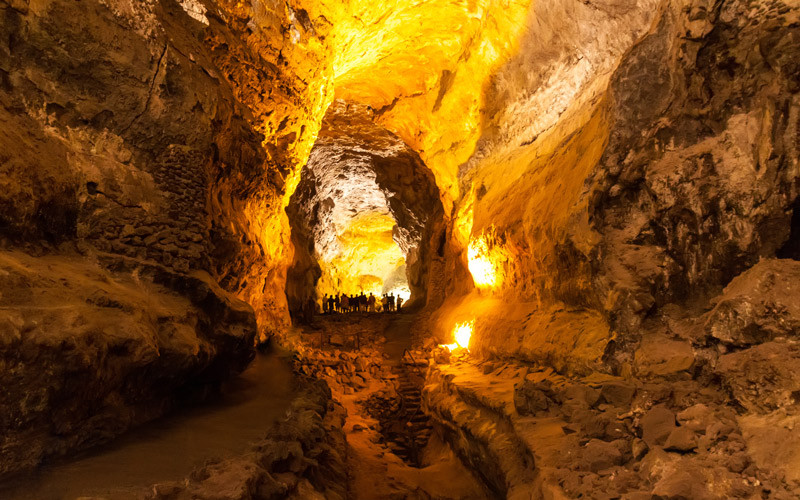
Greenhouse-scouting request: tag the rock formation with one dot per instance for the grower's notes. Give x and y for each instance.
(604, 193)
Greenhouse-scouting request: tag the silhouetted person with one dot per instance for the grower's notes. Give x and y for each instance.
(337, 303)
(362, 302)
(325, 304)
(331, 304)
(371, 303)
(391, 302)
(345, 302)
(399, 303)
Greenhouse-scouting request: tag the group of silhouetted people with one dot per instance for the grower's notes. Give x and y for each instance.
(360, 303)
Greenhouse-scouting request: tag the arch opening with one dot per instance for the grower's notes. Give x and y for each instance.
(363, 214)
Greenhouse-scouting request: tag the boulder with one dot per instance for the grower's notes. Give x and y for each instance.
(696, 417)
(533, 397)
(661, 356)
(656, 425)
(682, 484)
(618, 393)
(758, 305)
(681, 439)
(599, 455)
(762, 378)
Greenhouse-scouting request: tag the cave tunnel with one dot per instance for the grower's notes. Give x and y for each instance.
(362, 216)
(590, 208)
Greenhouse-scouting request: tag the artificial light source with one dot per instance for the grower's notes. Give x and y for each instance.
(462, 333)
(484, 260)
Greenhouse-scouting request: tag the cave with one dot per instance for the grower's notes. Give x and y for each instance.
(326, 249)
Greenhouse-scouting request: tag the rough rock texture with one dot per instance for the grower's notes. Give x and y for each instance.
(605, 437)
(135, 179)
(699, 177)
(670, 168)
(302, 457)
(602, 169)
(86, 353)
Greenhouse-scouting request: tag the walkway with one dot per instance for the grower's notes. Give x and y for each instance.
(169, 448)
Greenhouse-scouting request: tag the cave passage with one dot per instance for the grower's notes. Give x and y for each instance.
(362, 214)
(591, 209)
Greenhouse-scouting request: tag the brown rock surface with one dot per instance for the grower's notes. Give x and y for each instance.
(573, 180)
(657, 424)
(758, 305)
(87, 353)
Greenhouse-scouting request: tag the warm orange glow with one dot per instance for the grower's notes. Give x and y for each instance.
(366, 258)
(424, 64)
(462, 333)
(485, 260)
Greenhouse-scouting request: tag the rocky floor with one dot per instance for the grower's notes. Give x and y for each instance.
(694, 415)
(392, 451)
(705, 409)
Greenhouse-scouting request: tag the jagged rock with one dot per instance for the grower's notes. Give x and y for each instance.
(532, 397)
(681, 439)
(656, 462)
(697, 417)
(661, 356)
(657, 424)
(682, 485)
(773, 442)
(618, 393)
(764, 377)
(638, 448)
(758, 305)
(592, 424)
(599, 455)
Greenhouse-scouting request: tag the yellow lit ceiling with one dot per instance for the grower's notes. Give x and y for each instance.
(423, 67)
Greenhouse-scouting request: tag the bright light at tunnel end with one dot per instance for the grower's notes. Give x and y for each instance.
(462, 333)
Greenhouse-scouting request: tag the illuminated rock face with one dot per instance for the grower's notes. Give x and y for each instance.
(658, 181)
(136, 181)
(366, 206)
(557, 174)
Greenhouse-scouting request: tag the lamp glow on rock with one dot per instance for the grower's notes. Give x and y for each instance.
(484, 258)
(462, 333)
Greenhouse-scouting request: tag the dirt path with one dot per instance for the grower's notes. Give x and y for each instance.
(375, 471)
(398, 337)
(169, 448)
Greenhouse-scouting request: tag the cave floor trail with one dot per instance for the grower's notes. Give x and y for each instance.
(375, 473)
(398, 337)
(168, 449)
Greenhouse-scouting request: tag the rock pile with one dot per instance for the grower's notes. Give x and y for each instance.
(668, 436)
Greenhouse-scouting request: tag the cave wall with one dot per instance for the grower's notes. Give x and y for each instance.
(158, 112)
(708, 168)
(670, 168)
(136, 179)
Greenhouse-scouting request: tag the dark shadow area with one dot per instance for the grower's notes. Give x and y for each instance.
(791, 249)
(169, 448)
